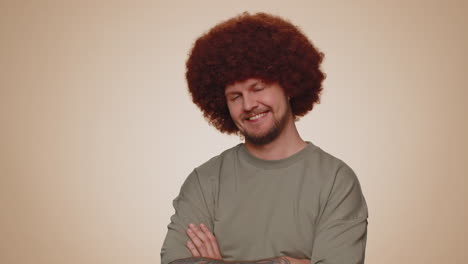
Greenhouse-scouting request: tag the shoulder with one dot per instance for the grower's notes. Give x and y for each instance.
(204, 178)
(202, 181)
(341, 189)
(209, 169)
(332, 171)
(327, 164)
(340, 167)
(317, 154)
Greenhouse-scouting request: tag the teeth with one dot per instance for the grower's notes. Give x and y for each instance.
(256, 116)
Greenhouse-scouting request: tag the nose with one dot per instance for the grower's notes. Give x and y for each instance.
(249, 103)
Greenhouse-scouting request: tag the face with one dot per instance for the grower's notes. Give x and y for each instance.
(261, 111)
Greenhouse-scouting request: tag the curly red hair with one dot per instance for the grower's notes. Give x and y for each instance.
(253, 46)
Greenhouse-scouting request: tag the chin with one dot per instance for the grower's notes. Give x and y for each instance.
(264, 138)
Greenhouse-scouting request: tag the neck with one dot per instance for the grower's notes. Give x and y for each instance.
(286, 144)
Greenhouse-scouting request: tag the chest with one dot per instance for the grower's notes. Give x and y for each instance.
(261, 215)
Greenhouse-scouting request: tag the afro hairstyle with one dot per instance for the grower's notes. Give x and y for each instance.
(247, 46)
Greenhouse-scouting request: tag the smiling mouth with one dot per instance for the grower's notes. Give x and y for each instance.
(257, 116)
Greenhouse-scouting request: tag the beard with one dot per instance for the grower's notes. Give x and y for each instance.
(271, 134)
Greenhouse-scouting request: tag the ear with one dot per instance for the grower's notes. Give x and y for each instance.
(241, 136)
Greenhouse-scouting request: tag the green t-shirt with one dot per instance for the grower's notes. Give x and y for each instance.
(309, 205)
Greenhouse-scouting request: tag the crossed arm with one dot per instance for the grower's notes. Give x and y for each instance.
(278, 260)
(205, 250)
(340, 237)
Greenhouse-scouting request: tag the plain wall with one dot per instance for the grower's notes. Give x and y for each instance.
(98, 131)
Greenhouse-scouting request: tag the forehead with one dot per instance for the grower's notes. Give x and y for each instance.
(251, 82)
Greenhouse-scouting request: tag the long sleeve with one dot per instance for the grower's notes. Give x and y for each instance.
(190, 207)
(341, 234)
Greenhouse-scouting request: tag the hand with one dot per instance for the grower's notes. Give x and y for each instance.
(202, 242)
(296, 261)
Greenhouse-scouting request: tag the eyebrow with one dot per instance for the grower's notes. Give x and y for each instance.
(250, 86)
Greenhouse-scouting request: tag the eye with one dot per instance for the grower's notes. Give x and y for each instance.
(259, 88)
(234, 97)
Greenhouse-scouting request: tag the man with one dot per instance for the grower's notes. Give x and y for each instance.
(275, 198)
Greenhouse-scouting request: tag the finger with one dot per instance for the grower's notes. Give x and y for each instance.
(212, 239)
(193, 249)
(206, 242)
(197, 242)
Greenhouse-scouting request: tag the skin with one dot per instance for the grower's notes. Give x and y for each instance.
(272, 136)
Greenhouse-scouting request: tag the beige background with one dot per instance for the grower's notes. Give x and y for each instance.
(98, 131)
